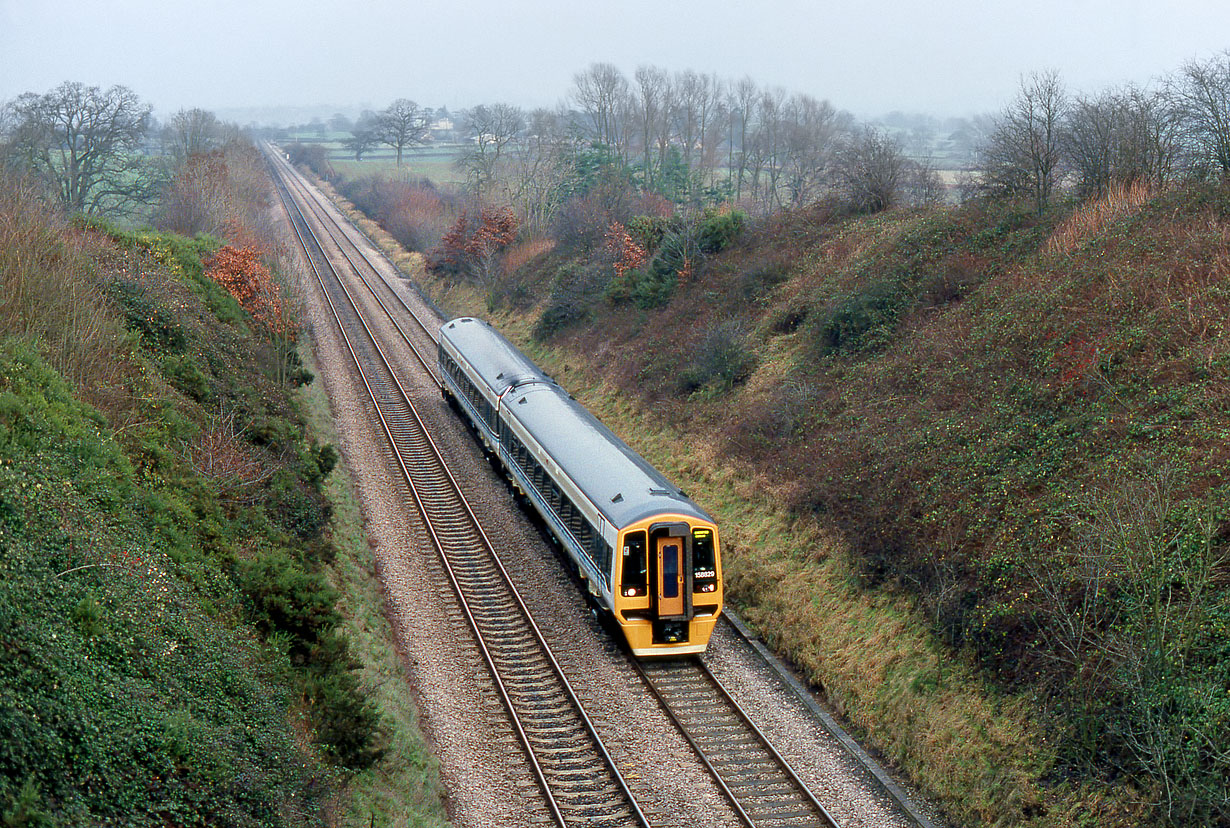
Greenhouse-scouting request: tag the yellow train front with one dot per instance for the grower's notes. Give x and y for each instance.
(669, 591)
(647, 553)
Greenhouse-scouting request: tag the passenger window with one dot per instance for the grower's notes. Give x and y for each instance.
(634, 580)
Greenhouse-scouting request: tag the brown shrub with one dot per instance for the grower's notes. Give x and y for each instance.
(413, 212)
(519, 255)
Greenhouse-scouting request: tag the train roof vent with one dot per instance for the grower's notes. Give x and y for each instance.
(522, 401)
(618, 498)
(663, 492)
(500, 375)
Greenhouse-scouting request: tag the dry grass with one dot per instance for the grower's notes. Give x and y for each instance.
(47, 291)
(520, 254)
(1119, 201)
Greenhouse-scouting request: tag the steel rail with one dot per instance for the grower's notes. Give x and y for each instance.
(879, 777)
(673, 709)
(425, 511)
(322, 212)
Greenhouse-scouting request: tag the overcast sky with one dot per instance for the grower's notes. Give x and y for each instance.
(943, 57)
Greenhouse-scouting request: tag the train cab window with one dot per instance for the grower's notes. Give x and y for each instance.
(704, 561)
(634, 581)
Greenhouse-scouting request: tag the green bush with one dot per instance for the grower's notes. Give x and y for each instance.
(347, 724)
(163, 628)
(186, 376)
(866, 319)
(646, 288)
(288, 599)
(718, 230)
(125, 696)
(761, 279)
(648, 231)
(159, 328)
(296, 507)
(575, 290)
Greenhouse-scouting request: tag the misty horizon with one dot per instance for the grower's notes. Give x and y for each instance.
(952, 59)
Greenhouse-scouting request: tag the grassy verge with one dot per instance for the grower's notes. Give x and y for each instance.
(403, 789)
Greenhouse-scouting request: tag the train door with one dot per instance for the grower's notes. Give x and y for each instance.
(671, 573)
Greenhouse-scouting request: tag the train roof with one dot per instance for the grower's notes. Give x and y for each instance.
(496, 360)
(619, 482)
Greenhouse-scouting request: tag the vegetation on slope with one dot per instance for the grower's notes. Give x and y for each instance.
(1027, 437)
(172, 648)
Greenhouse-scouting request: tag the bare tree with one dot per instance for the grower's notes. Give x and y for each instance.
(1120, 137)
(539, 164)
(765, 148)
(1090, 137)
(1152, 138)
(664, 128)
(1202, 101)
(490, 128)
(741, 102)
(600, 92)
(690, 101)
(712, 116)
(193, 131)
(871, 169)
(696, 112)
(85, 142)
(402, 125)
(810, 131)
(650, 107)
(1024, 151)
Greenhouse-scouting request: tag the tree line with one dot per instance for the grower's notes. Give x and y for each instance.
(699, 139)
(1049, 140)
(692, 138)
(695, 139)
(101, 151)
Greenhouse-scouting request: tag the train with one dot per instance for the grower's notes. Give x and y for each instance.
(647, 554)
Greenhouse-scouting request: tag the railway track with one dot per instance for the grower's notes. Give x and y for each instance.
(580, 780)
(760, 784)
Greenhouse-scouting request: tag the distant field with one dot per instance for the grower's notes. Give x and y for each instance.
(434, 162)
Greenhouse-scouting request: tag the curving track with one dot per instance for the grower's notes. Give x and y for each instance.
(580, 782)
